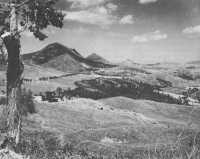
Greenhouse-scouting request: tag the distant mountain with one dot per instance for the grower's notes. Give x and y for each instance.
(195, 62)
(129, 63)
(96, 58)
(61, 58)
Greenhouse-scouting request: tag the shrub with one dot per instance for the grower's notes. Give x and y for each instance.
(3, 100)
(25, 102)
(41, 145)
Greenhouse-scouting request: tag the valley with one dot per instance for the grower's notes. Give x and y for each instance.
(109, 109)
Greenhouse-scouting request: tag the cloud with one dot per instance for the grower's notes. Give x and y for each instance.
(86, 3)
(147, 1)
(128, 19)
(96, 12)
(153, 36)
(99, 16)
(112, 6)
(192, 30)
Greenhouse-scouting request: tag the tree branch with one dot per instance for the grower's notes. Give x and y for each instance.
(23, 28)
(17, 6)
(23, 3)
(5, 35)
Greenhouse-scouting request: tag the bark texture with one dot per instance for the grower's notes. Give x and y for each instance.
(14, 72)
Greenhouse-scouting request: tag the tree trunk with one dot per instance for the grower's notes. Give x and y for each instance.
(14, 72)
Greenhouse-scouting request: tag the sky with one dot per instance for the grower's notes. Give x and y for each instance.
(145, 31)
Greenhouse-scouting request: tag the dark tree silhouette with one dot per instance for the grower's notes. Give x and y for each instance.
(17, 16)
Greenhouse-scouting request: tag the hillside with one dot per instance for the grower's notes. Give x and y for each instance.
(62, 58)
(195, 62)
(96, 58)
(116, 125)
(129, 63)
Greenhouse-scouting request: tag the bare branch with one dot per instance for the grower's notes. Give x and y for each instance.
(23, 28)
(23, 3)
(17, 6)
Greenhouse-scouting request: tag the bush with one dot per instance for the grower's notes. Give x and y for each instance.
(3, 101)
(25, 102)
(40, 145)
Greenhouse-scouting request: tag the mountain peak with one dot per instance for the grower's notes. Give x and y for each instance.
(97, 58)
(56, 46)
(129, 62)
(48, 53)
(62, 58)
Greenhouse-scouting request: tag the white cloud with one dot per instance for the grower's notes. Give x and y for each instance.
(100, 16)
(153, 36)
(99, 13)
(128, 19)
(192, 30)
(96, 12)
(147, 1)
(112, 7)
(86, 3)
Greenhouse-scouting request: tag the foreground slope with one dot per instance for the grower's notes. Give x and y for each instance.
(116, 124)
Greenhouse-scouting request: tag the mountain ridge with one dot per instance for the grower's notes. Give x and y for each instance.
(62, 58)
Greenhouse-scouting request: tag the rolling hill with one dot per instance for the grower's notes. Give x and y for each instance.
(62, 58)
(116, 124)
(96, 58)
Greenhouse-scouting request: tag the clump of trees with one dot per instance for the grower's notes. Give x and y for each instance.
(103, 88)
(193, 93)
(59, 93)
(185, 74)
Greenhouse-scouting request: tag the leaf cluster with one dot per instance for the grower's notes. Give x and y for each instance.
(33, 15)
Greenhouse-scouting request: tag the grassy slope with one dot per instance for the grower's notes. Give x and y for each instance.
(114, 123)
(35, 71)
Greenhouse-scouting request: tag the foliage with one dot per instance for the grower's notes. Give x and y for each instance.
(33, 15)
(103, 88)
(39, 145)
(185, 74)
(25, 102)
(3, 100)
